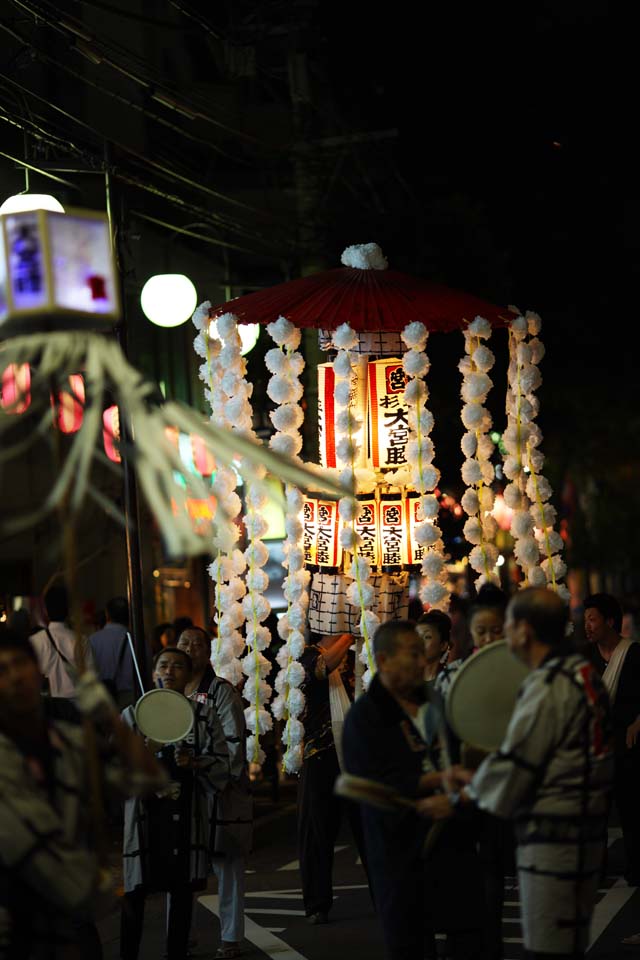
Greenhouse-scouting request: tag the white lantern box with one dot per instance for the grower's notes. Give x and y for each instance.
(56, 272)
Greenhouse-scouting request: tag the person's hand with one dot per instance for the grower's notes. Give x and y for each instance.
(93, 699)
(632, 733)
(438, 807)
(457, 774)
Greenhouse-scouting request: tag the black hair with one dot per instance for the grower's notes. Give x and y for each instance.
(181, 653)
(207, 637)
(181, 623)
(118, 611)
(608, 606)
(12, 640)
(56, 602)
(441, 621)
(414, 609)
(489, 597)
(545, 612)
(386, 636)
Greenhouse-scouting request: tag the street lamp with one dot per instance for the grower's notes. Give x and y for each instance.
(168, 299)
(249, 333)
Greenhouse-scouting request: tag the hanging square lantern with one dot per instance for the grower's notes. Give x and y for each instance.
(388, 415)
(393, 532)
(57, 271)
(16, 383)
(367, 525)
(327, 412)
(320, 524)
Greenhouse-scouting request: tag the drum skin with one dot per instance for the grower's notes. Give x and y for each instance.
(482, 696)
(164, 716)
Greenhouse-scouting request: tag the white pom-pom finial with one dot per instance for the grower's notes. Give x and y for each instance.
(364, 256)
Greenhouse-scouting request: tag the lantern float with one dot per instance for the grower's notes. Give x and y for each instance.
(374, 431)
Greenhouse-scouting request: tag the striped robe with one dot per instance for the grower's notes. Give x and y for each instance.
(231, 810)
(553, 775)
(48, 864)
(208, 742)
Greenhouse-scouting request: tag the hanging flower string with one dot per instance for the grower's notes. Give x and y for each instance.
(424, 475)
(221, 372)
(286, 364)
(477, 470)
(529, 491)
(360, 592)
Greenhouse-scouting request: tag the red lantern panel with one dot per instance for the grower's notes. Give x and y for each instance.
(16, 383)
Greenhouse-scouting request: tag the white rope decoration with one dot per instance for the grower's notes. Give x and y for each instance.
(477, 470)
(360, 592)
(424, 475)
(529, 491)
(286, 364)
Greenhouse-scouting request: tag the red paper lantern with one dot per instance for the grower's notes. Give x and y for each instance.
(68, 411)
(111, 433)
(16, 383)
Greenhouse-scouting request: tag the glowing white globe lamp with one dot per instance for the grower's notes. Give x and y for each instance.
(22, 202)
(168, 299)
(249, 333)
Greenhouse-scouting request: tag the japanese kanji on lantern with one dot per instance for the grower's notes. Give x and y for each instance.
(366, 526)
(388, 414)
(327, 411)
(320, 533)
(393, 532)
(415, 550)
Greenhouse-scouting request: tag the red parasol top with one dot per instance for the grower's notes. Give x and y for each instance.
(367, 299)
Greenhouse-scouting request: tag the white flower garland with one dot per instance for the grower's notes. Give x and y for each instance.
(534, 516)
(221, 371)
(286, 365)
(360, 592)
(477, 470)
(424, 475)
(238, 603)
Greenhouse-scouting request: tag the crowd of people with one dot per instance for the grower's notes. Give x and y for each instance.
(435, 855)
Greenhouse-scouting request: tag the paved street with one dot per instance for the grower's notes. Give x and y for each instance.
(275, 922)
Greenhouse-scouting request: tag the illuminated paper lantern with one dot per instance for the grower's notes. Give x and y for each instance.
(111, 433)
(202, 457)
(388, 415)
(415, 551)
(68, 409)
(393, 531)
(320, 524)
(57, 271)
(367, 525)
(16, 383)
(326, 412)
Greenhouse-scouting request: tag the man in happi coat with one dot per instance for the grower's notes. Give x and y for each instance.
(552, 775)
(166, 843)
(231, 809)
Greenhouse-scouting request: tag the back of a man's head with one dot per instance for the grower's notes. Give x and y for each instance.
(56, 603)
(386, 637)
(13, 640)
(544, 611)
(607, 606)
(118, 611)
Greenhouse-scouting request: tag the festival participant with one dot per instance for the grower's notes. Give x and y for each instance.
(385, 740)
(434, 629)
(486, 618)
(328, 692)
(553, 775)
(49, 864)
(166, 836)
(618, 662)
(232, 809)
